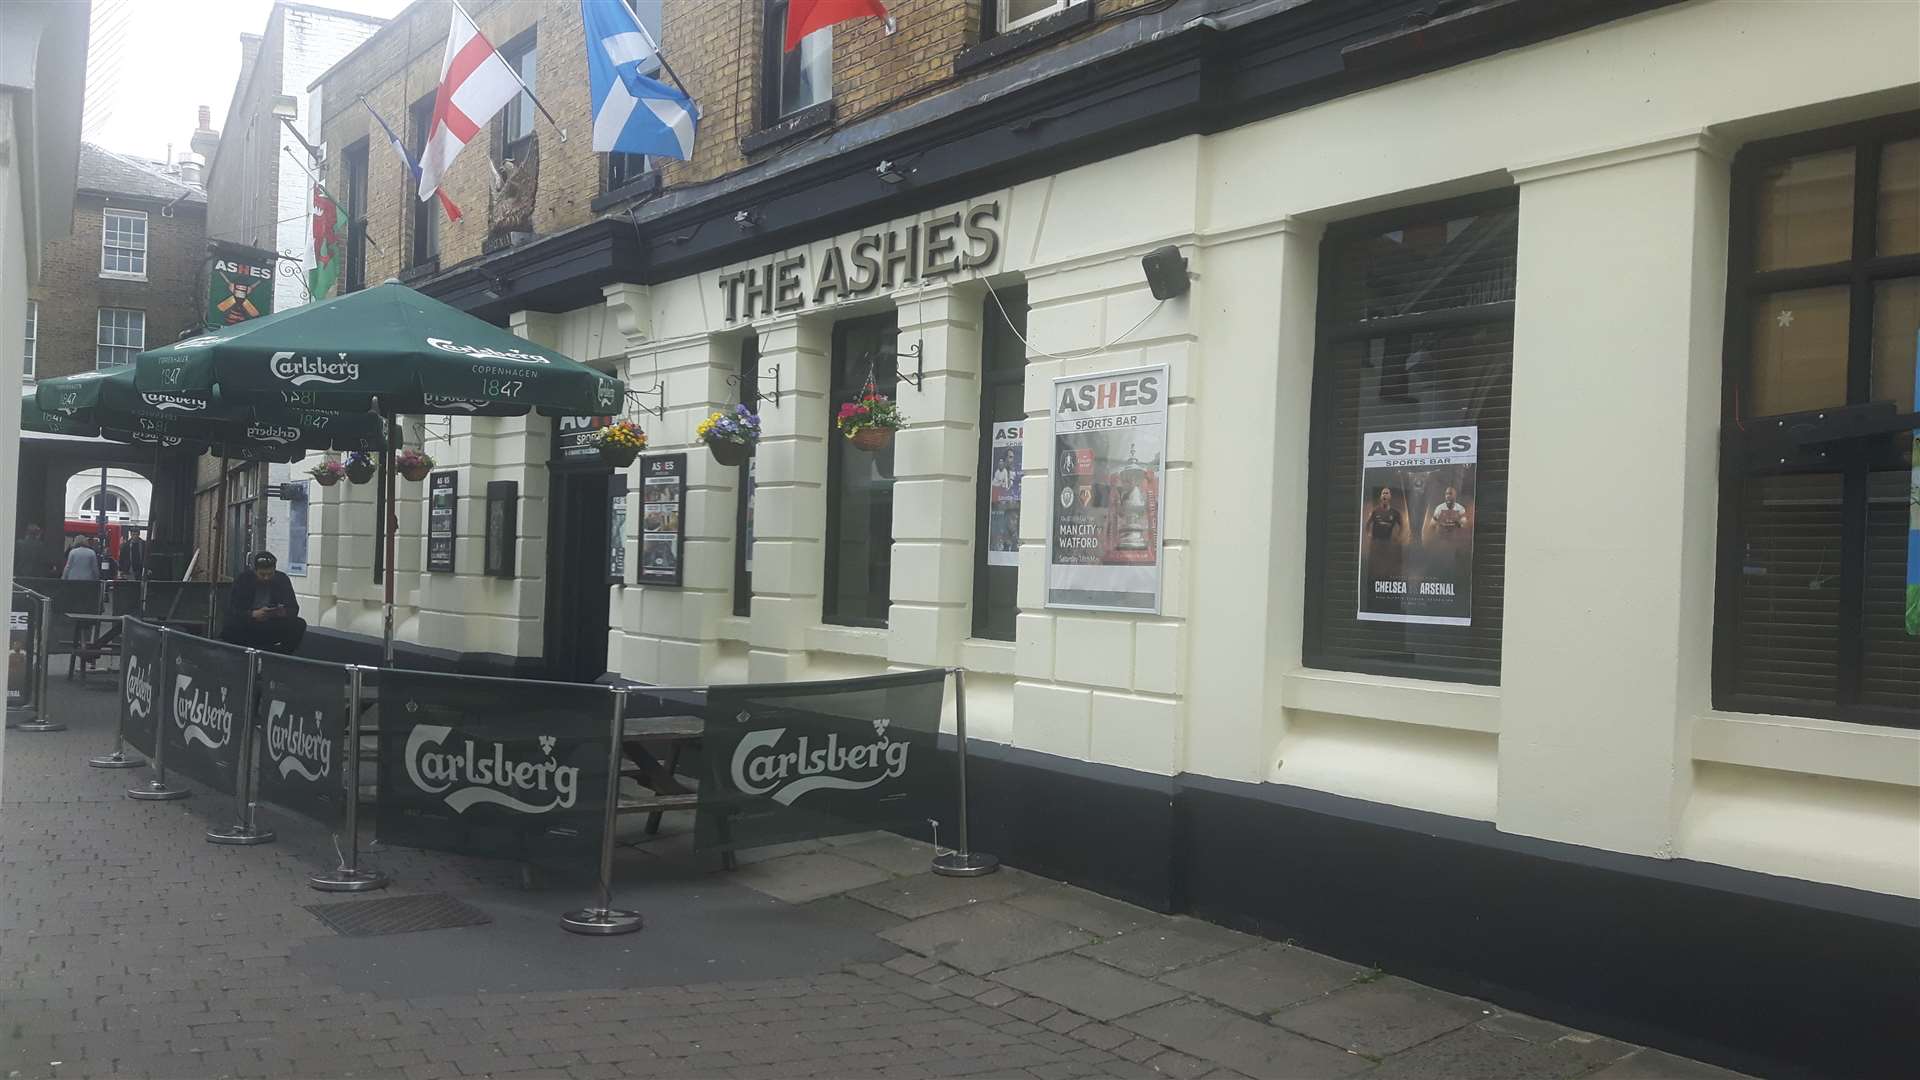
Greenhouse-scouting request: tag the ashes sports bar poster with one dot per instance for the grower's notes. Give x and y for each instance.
(1109, 464)
(1416, 525)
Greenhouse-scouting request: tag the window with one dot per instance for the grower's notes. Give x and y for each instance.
(516, 120)
(1823, 321)
(355, 163)
(791, 81)
(116, 507)
(426, 212)
(123, 334)
(1014, 14)
(743, 507)
(859, 484)
(624, 169)
(1415, 334)
(123, 244)
(1003, 413)
(33, 339)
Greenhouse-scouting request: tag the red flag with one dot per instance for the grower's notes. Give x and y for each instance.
(806, 16)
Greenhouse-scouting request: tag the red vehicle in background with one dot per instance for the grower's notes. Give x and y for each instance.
(90, 527)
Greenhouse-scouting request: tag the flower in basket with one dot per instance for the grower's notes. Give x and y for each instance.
(738, 426)
(359, 467)
(621, 436)
(872, 410)
(328, 472)
(413, 461)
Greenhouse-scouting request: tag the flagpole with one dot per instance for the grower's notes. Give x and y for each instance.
(658, 52)
(531, 96)
(364, 234)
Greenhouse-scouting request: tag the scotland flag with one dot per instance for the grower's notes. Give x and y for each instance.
(632, 113)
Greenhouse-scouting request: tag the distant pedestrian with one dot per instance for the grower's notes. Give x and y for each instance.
(34, 557)
(133, 556)
(83, 563)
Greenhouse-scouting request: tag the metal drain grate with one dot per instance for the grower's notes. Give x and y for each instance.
(398, 915)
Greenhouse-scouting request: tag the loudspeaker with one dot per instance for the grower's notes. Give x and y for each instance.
(1166, 272)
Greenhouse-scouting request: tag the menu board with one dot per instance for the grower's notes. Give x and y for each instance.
(663, 512)
(443, 497)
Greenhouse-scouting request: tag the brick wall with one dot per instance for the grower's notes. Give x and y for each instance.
(715, 48)
(71, 290)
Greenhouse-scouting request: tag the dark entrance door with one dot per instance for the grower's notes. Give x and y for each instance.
(577, 604)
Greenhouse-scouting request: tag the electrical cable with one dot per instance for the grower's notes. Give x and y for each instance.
(1033, 349)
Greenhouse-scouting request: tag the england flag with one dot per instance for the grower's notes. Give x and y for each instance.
(632, 113)
(475, 83)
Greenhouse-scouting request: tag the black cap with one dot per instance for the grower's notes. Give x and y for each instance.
(265, 561)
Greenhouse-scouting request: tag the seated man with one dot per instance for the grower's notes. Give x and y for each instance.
(262, 612)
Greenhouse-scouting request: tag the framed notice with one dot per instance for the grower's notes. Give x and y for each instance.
(503, 514)
(1003, 494)
(617, 528)
(1108, 470)
(663, 518)
(443, 502)
(1417, 509)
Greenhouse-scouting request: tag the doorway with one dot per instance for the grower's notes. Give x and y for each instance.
(577, 591)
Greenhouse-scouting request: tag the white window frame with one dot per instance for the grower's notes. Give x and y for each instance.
(1004, 24)
(101, 341)
(135, 256)
(33, 340)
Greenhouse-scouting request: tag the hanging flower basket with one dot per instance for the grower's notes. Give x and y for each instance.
(413, 464)
(358, 467)
(328, 472)
(730, 435)
(620, 443)
(870, 420)
(872, 440)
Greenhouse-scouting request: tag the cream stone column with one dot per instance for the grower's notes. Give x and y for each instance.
(1613, 491)
(789, 498)
(935, 489)
(1255, 295)
(665, 635)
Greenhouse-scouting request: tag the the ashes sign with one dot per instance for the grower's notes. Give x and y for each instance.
(1108, 471)
(1418, 500)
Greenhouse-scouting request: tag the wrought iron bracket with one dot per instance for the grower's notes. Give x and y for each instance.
(772, 373)
(918, 379)
(657, 390)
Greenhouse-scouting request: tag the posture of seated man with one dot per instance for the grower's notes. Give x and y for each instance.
(262, 612)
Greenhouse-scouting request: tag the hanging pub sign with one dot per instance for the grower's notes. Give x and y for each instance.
(663, 511)
(443, 498)
(239, 284)
(1003, 495)
(1417, 508)
(573, 438)
(1109, 465)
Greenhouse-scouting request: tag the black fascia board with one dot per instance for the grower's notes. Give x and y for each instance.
(1185, 70)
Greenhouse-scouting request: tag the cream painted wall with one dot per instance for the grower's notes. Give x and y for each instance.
(1601, 733)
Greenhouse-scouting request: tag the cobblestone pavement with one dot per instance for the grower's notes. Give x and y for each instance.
(131, 947)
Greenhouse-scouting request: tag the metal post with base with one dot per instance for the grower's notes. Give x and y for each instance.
(963, 861)
(156, 789)
(119, 758)
(246, 831)
(43, 658)
(606, 919)
(348, 876)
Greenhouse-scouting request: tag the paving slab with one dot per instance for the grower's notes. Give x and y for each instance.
(1474, 1054)
(1381, 1017)
(1168, 945)
(1099, 915)
(1263, 979)
(892, 853)
(983, 938)
(1086, 986)
(1248, 1046)
(1657, 1065)
(926, 893)
(807, 876)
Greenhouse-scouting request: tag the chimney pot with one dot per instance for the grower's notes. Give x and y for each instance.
(206, 117)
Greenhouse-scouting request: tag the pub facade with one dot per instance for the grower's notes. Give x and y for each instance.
(1429, 485)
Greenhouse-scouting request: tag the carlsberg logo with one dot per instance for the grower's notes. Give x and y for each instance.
(301, 370)
(482, 352)
(759, 768)
(199, 719)
(474, 775)
(298, 745)
(139, 687)
(174, 401)
(273, 433)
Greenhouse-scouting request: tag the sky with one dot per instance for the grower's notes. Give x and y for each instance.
(153, 63)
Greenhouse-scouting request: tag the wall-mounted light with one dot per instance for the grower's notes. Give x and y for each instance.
(889, 173)
(285, 107)
(746, 220)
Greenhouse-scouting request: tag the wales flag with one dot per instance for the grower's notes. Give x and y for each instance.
(327, 246)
